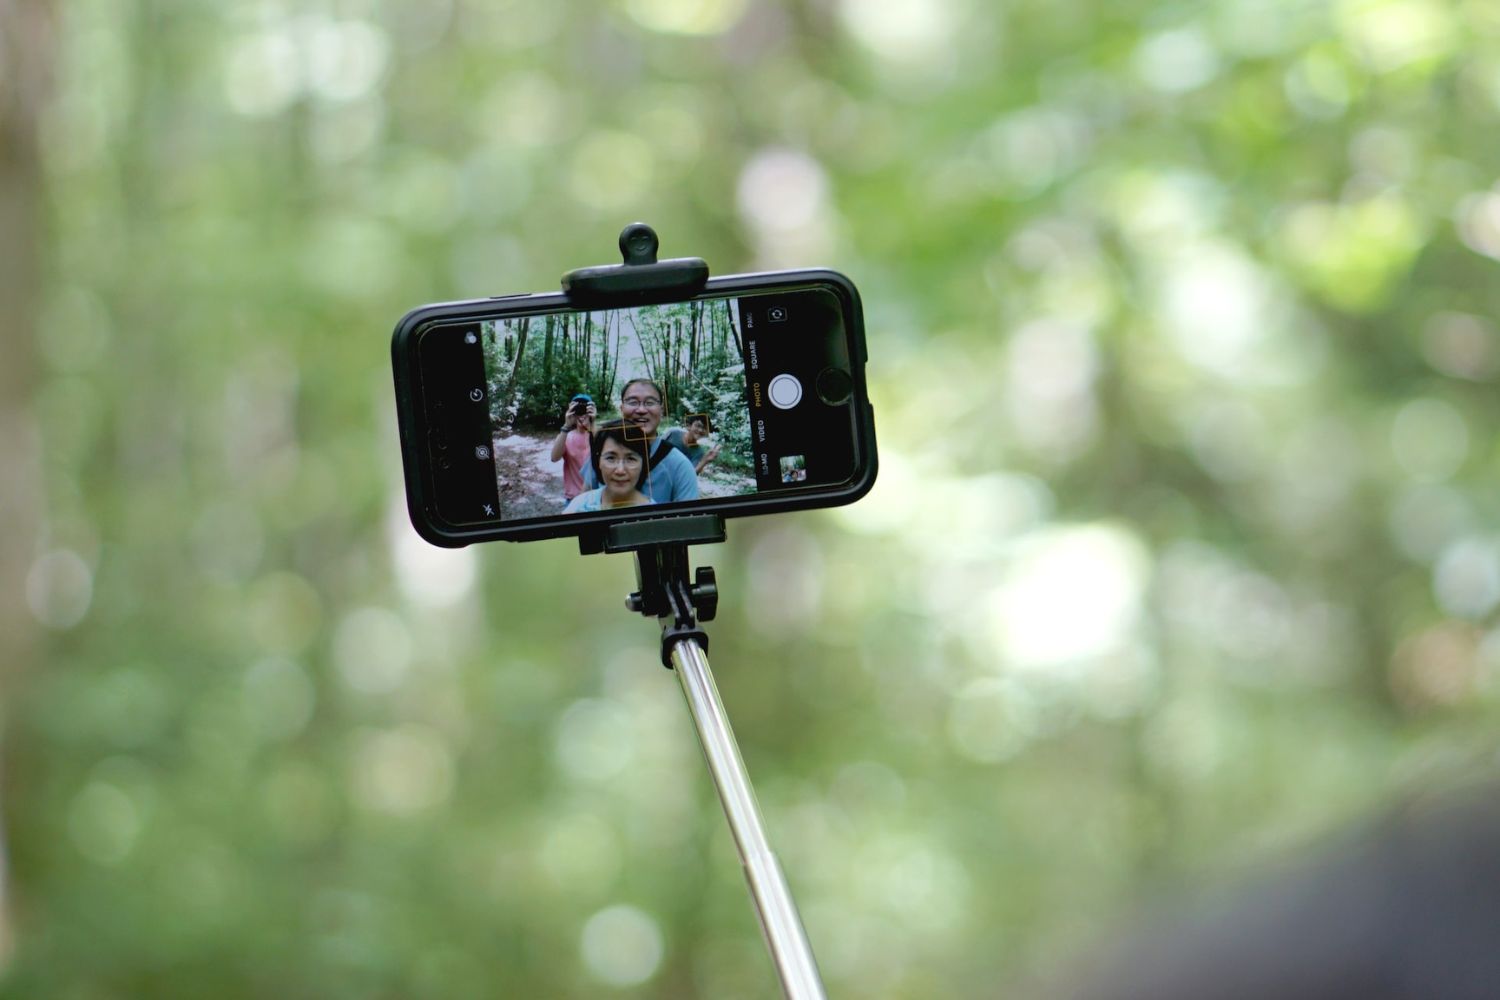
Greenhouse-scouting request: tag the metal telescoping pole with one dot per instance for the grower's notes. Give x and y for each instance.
(779, 921)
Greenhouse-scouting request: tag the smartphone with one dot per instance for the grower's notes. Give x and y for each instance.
(523, 417)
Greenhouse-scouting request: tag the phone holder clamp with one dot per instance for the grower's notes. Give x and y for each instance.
(665, 590)
(641, 278)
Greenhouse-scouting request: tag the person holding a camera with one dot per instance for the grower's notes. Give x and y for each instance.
(573, 443)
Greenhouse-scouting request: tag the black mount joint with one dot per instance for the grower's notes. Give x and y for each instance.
(640, 279)
(664, 589)
(666, 595)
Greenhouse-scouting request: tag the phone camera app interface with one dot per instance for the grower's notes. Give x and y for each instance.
(581, 412)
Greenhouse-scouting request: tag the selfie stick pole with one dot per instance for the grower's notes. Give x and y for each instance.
(666, 592)
(660, 547)
(779, 921)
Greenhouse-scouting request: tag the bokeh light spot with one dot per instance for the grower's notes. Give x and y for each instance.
(1462, 345)
(1425, 517)
(1321, 84)
(59, 589)
(1070, 594)
(104, 822)
(595, 740)
(344, 132)
(783, 200)
(905, 32)
(580, 852)
(621, 945)
(612, 170)
(1049, 375)
(991, 719)
(1478, 218)
(1391, 34)
(523, 110)
(402, 771)
(1430, 439)
(262, 74)
(1436, 668)
(267, 71)
(373, 650)
(278, 697)
(686, 17)
(1177, 61)
(345, 59)
(1214, 307)
(1466, 579)
(429, 576)
(782, 189)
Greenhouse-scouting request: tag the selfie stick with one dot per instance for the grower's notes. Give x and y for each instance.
(666, 592)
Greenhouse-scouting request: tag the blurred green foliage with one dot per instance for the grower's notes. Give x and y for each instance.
(1184, 352)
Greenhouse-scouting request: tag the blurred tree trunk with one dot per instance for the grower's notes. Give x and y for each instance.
(26, 49)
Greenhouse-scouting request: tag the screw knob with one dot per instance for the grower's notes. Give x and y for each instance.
(705, 593)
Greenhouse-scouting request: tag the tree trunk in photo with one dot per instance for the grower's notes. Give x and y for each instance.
(739, 345)
(27, 45)
(648, 354)
(697, 321)
(669, 365)
(547, 350)
(510, 385)
(601, 383)
(614, 368)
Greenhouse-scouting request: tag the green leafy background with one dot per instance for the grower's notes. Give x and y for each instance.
(1184, 550)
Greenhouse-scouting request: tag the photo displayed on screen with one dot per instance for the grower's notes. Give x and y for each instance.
(618, 408)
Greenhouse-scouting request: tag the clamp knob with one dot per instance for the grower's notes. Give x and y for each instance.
(705, 593)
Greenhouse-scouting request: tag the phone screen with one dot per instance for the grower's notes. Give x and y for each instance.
(534, 416)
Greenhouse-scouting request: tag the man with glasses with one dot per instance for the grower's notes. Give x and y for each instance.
(670, 477)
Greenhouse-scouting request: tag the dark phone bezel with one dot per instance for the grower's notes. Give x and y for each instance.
(421, 503)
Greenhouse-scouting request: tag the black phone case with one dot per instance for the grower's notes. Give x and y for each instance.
(419, 484)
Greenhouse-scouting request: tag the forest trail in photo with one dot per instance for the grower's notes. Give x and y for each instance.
(530, 483)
